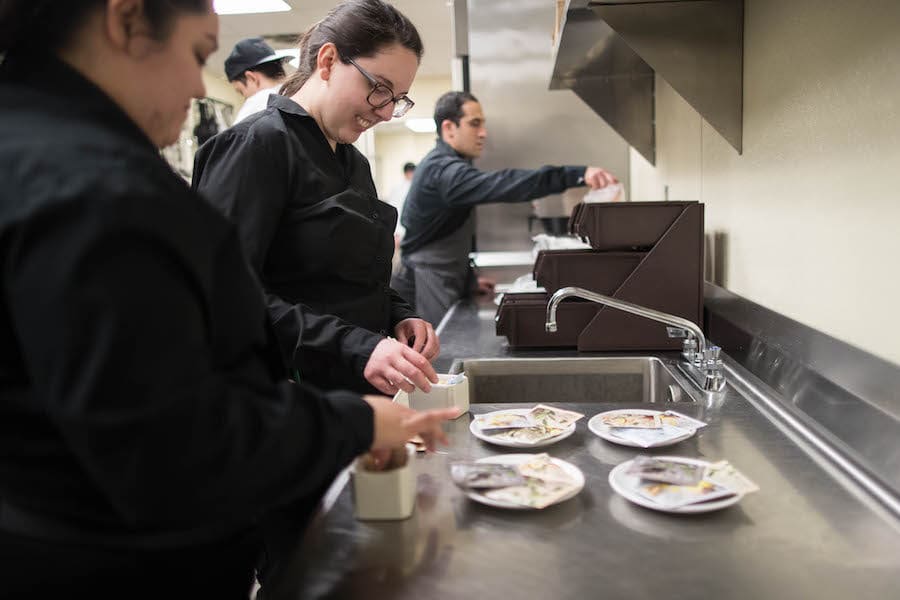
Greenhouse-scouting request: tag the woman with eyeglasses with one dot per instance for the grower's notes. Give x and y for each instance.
(306, 206)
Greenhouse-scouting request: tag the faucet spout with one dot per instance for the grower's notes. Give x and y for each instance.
(703, 363)
(629, 307)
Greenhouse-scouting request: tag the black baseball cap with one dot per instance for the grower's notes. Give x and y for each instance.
(247, 54)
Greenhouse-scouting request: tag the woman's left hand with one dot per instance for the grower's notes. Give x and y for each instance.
(424, 339)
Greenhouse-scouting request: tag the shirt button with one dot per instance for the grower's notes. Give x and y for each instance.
(383, 331)
(375, 215)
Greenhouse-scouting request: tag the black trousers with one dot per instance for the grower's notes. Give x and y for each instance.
(32, 568)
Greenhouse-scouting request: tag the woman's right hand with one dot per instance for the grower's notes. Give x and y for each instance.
(394, 366)
(395, 424)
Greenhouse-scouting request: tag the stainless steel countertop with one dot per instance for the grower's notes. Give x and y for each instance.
(808, 533)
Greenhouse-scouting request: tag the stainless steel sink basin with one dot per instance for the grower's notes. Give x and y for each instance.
(643, 379)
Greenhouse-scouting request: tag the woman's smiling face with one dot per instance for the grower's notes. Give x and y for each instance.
(345, 111)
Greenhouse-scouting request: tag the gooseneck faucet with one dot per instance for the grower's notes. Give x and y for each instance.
(629, 307)
(703, 360)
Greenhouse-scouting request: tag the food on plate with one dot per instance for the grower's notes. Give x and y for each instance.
(630, 419)
(475, 475)
(553, 417)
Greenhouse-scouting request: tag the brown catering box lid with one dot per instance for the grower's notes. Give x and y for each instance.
(521, 317)
(624, 225)
(601, 272)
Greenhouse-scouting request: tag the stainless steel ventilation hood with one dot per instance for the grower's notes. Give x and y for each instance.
(608, 52)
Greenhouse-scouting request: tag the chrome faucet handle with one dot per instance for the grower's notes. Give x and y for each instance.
(711, 358)
(677, 332)
(689, 349)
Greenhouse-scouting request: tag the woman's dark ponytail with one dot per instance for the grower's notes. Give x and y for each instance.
(357, 28)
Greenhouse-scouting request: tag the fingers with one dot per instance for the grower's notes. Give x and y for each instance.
(428, 425)
(421, 365)
(417, 334)
(395, 424)
(399, 380)
(414, 333)
(394, 366)
(401, 334)
(596, 178)
(410, 366)
(378, 458)
(427, 343)
(383, 385)
(420, 337)
(432, 345)
(403, 331)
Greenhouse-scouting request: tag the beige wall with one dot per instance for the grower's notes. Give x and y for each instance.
(392, 151)
(811, 210)
(395, 144)
(219, 89)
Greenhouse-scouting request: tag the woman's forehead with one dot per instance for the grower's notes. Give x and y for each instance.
(394, 64)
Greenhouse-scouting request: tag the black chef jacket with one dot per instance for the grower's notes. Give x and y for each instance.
(446, 188)
(316, 234)
(439, 220)
(140, 401)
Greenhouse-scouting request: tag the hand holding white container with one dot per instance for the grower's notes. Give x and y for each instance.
(388, 494)
(451, 391)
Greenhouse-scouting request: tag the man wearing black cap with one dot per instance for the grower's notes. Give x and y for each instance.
(256, 72)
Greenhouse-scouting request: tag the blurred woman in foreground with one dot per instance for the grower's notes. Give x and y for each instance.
(144, 426)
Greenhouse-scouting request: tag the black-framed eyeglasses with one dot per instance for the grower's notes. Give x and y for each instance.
(381, 95)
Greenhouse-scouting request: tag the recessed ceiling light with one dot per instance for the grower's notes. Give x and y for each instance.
(422, 125)
(243, 7)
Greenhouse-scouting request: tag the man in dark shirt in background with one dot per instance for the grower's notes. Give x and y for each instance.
(438, 214)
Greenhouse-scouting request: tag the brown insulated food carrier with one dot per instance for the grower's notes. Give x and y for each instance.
(601, 272)
(521, 318)
(624, 225)
(666, 275)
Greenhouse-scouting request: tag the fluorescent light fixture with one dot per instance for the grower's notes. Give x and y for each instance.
(244, 7)
(422, 125)
(293, 54)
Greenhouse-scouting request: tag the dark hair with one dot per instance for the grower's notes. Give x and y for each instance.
(272, 70)
(449, 107)
(357, 28)
(409, 167)
(42, 25)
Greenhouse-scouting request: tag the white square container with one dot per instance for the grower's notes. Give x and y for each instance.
(385, 495)
(443, 394)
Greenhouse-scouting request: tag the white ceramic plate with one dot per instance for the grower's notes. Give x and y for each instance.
(475, 428)
(596, 426)
(627, 485)
(515, 459)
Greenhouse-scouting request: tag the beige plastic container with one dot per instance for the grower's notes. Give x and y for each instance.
(385, 495)
(443, 394)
